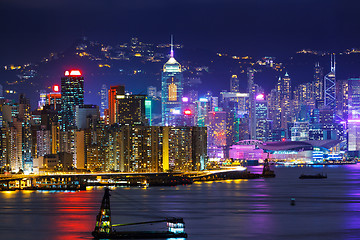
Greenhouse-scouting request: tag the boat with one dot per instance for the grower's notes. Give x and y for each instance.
(314, 176)
(104, 229)
(267, 172)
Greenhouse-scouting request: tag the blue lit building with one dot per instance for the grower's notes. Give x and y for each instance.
(171, 92)
(354, 117)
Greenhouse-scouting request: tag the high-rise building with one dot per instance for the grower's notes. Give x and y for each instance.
(252, 104)
(162, 148)
(318, 85)
(330, 85)
(130, 110)
(283, 95)
(171, 91)
(72, 94)
(103, 100)
(261, 113)
(24, 118)
(342, 95)
(151, 92)
(354, 116)
(113, 92)
(234, 84)
(86, 115)
(300, 131)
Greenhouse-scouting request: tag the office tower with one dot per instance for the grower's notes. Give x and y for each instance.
(300, 131)
(252, 105)
(130, 110)
(283, 91)
(202, 109)
(151, 92)
(103, 100)
(43, 141)
(342, 95)
(72, 94)
(42, 101)
(318, 86)
(303, 96)
(354, 116)
(234, 84)
(24, 117)
(86, 116)
(216, 138)
(148, 111)
(261, 113)
(171, 91)
(330, 85)
(114, 91)
(162, 148)
(54, 98)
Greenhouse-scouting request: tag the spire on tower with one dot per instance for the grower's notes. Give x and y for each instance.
(172, 47)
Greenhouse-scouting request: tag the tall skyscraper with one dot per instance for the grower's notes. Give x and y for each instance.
(354, 116)
(283, 89)
(113, 92)
(104, 100)
(261, 113)
(72, 94)
(252, 104)
(234, 84)
(130, 110)
(330, 85)
(318, 86)
(171, 91)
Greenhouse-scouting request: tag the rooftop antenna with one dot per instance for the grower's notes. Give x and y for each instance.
(171, 47)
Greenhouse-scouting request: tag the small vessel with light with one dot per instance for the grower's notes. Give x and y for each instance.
(104, 229)
(314, 176)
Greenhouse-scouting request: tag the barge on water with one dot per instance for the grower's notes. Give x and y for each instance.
(315, 176)
(104, 228)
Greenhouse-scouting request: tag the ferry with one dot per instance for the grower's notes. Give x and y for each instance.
(104, 228)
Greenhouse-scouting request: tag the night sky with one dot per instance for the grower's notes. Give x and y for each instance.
(32, 29)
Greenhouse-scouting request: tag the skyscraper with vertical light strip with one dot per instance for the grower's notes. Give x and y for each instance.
(171, 91)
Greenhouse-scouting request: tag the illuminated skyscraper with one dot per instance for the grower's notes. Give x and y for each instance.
(330, 85)
(130, 110)
(318, 86)
(72, 94)
(171, 91)
(354, 115)
(216, 134)
(113, 92)
(252, 104)
(261, 113)
(283, 91)
(234, 84)
(104, 100)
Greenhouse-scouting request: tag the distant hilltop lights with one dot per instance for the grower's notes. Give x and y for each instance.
(73, 73)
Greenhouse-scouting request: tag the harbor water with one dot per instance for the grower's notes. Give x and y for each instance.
(234, 209)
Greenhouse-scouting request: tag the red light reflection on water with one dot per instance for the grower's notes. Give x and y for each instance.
(75, 215)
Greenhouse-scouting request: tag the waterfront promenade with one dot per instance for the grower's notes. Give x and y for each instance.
(79, 181)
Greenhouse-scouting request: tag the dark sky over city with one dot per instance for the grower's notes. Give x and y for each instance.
(32, 29)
